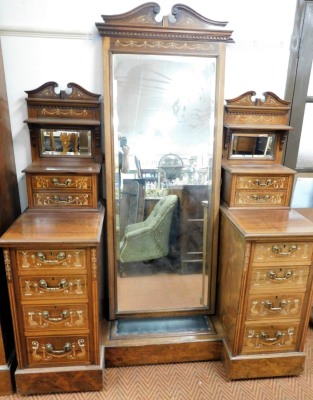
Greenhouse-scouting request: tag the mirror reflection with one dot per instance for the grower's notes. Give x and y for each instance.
(244, 145)
(164, 135)
(65, 142)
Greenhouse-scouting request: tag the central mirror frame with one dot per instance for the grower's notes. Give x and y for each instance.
(184, 33)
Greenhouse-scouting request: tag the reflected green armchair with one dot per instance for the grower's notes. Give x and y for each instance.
(149, 239)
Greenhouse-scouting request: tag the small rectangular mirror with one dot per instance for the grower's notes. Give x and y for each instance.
(251, 145)
(72, 143)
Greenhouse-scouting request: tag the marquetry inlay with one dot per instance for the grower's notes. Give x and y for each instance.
(70, 350)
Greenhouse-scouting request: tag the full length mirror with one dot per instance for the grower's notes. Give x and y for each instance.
(163, 116)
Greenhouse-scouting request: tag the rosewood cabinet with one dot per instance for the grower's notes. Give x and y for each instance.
(53, 253)
(266, 266)
(265, 248)
(53, 266)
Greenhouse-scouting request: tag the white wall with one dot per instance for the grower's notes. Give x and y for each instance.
(56, 40)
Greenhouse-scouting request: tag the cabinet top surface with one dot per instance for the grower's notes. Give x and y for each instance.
(262, 223)
(79, 168)
(55, 227)
(264, 169)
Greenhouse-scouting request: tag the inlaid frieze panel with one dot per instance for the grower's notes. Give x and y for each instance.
(270, 338)
(57, 182)
(53, 287)
(283, 252)
(275, 306)
(65, 316)
(258, 182)
(276, 278)
(56, 350)
(42, 259)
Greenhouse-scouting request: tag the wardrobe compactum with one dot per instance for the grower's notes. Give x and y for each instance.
(201, 256)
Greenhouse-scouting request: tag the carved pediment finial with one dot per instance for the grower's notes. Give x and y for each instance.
(183, 24)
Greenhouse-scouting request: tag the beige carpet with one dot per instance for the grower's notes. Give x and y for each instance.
(192, 381)
(160, 291)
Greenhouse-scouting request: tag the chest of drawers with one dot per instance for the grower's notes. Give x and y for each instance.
(62, 187)
(253, 185)
(53, 271)
(267, 268)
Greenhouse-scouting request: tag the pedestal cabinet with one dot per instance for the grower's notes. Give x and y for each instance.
(53, 252)
(53, 265)
(266, 266)
(265, 248)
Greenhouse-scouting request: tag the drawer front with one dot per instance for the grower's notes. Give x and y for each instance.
(274, 278)
(62, 199)
(287, 252)
(61, 182)
(269, 338)
(271, 306)
(34, 260)
(260, 198)
(53, 287)
(58, 317)
(262, 182)
(54, 350)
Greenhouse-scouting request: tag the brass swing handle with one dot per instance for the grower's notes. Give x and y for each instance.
(43, 258)
(272, 275)
(268, 304)
(268, 182)
(61, 285)
(64, 314)
(257, 198)
(66, 348)
(56, 182)
(66, 200)
(271, 340)
(281, 252)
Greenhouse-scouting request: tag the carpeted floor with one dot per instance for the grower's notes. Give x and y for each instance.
(192, 381)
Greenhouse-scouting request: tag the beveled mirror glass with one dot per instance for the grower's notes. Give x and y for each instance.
(65, 142)
(158, 112)
(245, 145)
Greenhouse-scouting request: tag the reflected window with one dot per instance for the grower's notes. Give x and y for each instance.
(65, 142)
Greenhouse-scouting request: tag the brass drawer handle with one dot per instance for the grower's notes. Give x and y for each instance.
(64, 314)
(272, 275)
(268, 182)
(281, 252)
(257, 198)
(66, 200)
(43, 258)
(272, 340)
(268, 304)
(56, 182)
(67, 348)
(61, 285)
